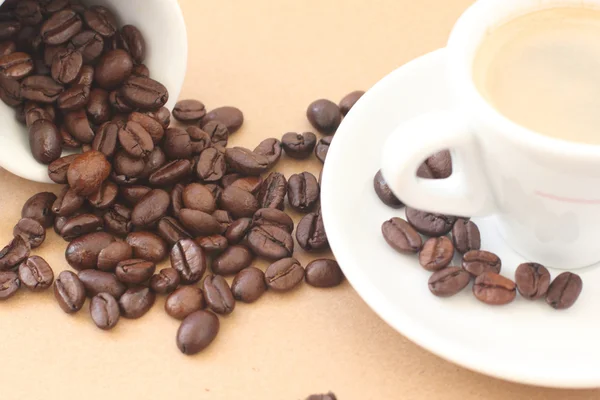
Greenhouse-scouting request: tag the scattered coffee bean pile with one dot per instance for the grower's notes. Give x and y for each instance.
(142, 190)
(436, 253)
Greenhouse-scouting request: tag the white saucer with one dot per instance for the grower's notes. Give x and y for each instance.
(524, 341)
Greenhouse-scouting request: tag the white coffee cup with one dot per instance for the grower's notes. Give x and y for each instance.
(161, 22)
(543, 192)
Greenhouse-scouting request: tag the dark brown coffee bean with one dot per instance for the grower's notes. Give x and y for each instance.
(165, 281)
(177, 199)
(384, 192)
(104, 310)
(67, 202)
(189, 110)
(324, 273)
(224, 219)
(45, 141)
(69, 292)
(197, 197)
(61, 27)
(105, 197)
(437, 253)
(322, 148)
(113, 68)
(270, 242)
(68, 142)
(476, 262)
(31, 230)
(213, 244)
(133, 42)
(98, 107)
(82, 253)
(141, 70)
(532, 280)
(78, 125)
(494, 289)
(8, 29)
(118, 220)
(248, 285)
(311, 234)
(189, 260)
(211, 165)
(564, 291)
(272, 192)
(16, 65)
(250, 184)
(324, 115)
(184, 301)
(144, 93)
(237, 230)
(177, 144)
(246, 162)
(162, 115)
(216, 190)
(171, 173)
(199, 139)
(136, 302)
(50, 52)
(66, 66)
(171, 230)
(152, 207)
(148, 246)
(35, 112)
(96, 282)
(115, 99)
(29, 12)
(151, 125)
(197, 331)
(284, 275)
(87, 172)
(299, 146)
(448, 281)
(39, 207)
(110, 256)
(270, 148)
(429, 224)
(218, 133)
(199, 223)
(401, 236)
(7, 47)
(80, 225)
(101, 20)
(14, 253)
(133, 194)
(234, 259)
(134, 271)
(272, 216)
(9, 284)
(89, 43)
(218, 295)
(231, 117)
(465, 235)
(35, 274)
(128, 166)
(74, 98)
(349, 100)
(440, 164)
(41, 89)
(10, 91)
(238, 202)
(303, 191)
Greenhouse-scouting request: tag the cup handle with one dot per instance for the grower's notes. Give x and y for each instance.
(465, 193)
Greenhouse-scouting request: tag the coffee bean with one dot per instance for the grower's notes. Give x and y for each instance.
(8, 29)
(74, 98)
(78, 125)
(66, 66)
(324, 115)
(101, 20)
(213, 244)
(39, 207)
(136, 302)
(189, 110)
(61, 27)
(96, 282)
(10, 91)
(218, 133)
(29, 12)
(89, 44)
(246, 162)
(152, 207)
(32, 231)
(248, 285)
(477, 262)
(270, 242)
(87, 172)
(118, 104)
(272, 192)
(178, 144)
(211, 165)
(564, 291)
(439, 165)
(218, 295)
(16, 65)
(162, 115)
(231, 117)
(199, 139)
(189, 260)
(532, 280)
(41, 89)
(349, 100)
(110, 256)
(465, 236)
(165, 281)
(299, 146)
(118, 220)
(69, 143)
(67, 202)
(197, 331)
(144, 93)
(401, 236)
(197, 197)
(216, 190)
(322, 148)
(429, 224)
(436, 254)
(69, 292)
(80, 225)
(35, 274)
(327, 396)
(148, 246)
(135, 140)
(284, 275)
(171, 173)
(14, 253)
(105, 197)
(184, 301)
(9, 284)
(45, 141)
(127, 167)
(234, 259)
(133, 42)
(199, 223)
(134, 271)
(324, 273)
(250, 184)
(494, 289)
(273, 216)
(311, 234)
(104, 310)
(82, 253)
(270, 148)
(113, 68)
(99, 112)
(237, 230)
(223, 218)
(171, 230)
(238, 202)
(34, 112)
(448, 281)
(303, 191)
(177, 199)
(384, 192)
(7, 47)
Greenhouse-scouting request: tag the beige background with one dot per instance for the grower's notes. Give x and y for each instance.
(271, 58)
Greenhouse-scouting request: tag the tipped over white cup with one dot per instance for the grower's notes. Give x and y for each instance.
(161, 22)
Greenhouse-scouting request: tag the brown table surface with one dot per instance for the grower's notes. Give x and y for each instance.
(271, 59)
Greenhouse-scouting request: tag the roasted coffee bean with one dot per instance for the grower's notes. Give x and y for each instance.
(127, 166)
(299, 146)
(349, 100)
(213, 244)
(132, 40)
(177, 199)
(9, 284)
(14, 253)
(270, 242)
(211, 165)
(171, 173)
(152, 207)
(39, 207)
(197, 197)
(101, 20)
(8, 29)
(564, 291)
(69, 292)
(199, 140)
(270, 148)
(494, 289)
(401, 236)
(448, 281)
(110, 256)
(113, 68)
(118, 220)
(98, 107)
(16, 65)
(224, 219)
(78, 125)
(135, 271)
(284, 275)
(216, 190)
(34, 112)
(199, 223)
(429, 224)
(228, 179)
(29, 12)
(231, 117)
(272, 192)
(45, 141)
(50, 52)
(153, 162)
(232, 260)
(272, 216)
(237, 230)
(96, 282)
(248, 285)
(384, 192)
(439, 165)
(133, 194)
(7, 47)
(105, 197)
(532, 280)
(322, 148)
(74, 98)
(66, 66)
(67, 202)
(148, 246)
(135, 140)
(171, 230)
(144, 93)
(324, 273)
(218, 295)
(324, 115)
(68, 142)
(61, 27)
(89, 43)
(437, 253)
(104, 310)
(246, 162)
(31, 230)
(136, 302)
(80, 225)
(184, 301)
(326, 396)
(189, 110)
(35, 274)
(82, 253)
(165, 281)
(218, 132)
(250, 184)
(141, 70)
(85, 77)
(189, 260)
(162, 115)
(41, 89)
(238, 202)
(476, 262)
(152, 126)
(87, 172)
(10, 91)
(178, 144)
(465, 235)
(115, 99)
(311, 234)
(197, 331)
(303, 191)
